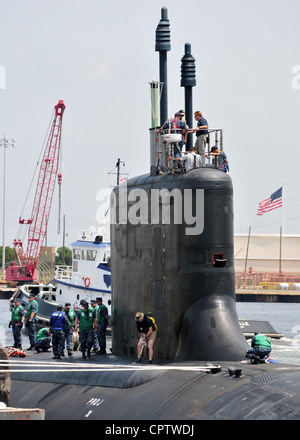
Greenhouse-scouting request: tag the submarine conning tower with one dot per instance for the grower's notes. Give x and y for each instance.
(172, 256)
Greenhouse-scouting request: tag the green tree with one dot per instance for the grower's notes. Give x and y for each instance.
(9, 254)
(59, 256)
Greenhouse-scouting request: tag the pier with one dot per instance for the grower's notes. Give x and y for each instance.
(265, 295)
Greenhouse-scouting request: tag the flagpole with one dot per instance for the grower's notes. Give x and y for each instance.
(247, 250)
(281, 231)
(280, 249)
(282, 211)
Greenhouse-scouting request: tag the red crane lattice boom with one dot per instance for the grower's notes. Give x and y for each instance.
(26, 270)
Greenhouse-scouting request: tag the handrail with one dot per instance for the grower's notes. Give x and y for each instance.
(166, 160)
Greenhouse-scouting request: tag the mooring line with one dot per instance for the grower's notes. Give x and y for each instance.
(107, 367)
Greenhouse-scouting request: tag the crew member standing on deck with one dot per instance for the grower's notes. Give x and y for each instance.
(31, 320)
(102, 322)
(95, 308)
(87, 324)
(201, 132)
(69, 329)
(17, 321)
(176, 125)
(58, 321)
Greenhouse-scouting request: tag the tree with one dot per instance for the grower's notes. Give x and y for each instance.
(9, 255)
(59, 256)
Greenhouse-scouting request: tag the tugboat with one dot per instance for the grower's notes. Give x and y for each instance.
(89, 277)
(90, 274)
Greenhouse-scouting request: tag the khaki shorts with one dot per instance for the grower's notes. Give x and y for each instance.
(152, 337)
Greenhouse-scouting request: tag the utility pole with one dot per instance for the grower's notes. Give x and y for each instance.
(5, 143)
(64, 234)
(118, 164)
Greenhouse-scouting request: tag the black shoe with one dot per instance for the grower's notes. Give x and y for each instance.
(70, 353)
(83, 356)
(138, 361)
(149, 362)
(30, 348)
(256, 359)
(89, 353)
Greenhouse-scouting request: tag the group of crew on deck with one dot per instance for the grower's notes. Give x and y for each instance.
(196, 156)
(91, 321)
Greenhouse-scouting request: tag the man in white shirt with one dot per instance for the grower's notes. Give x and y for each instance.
(192, 159)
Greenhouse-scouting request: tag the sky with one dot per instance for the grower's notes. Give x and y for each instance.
(99, 57)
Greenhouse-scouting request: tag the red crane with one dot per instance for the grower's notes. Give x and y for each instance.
(24, 269)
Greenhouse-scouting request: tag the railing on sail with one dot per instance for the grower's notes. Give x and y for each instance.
(165, 144)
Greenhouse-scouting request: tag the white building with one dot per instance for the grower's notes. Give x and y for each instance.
(267, 253)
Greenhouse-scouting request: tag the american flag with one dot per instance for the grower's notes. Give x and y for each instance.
(272, 202)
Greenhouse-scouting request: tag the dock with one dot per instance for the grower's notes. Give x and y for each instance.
(265, 295)
(6, 292)
(8, 412)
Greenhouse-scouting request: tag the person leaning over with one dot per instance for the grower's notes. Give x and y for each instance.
(146, 327)
(191, 160)
(260, 347)
(220, 160)
(43, 340)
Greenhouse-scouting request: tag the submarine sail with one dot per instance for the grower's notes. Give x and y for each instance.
(172, 256)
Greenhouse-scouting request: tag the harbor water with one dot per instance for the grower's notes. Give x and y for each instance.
(284, 317)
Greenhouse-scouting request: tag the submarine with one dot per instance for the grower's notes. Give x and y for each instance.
(171, 256)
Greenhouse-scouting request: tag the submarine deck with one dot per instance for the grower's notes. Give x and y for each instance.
(112, 388)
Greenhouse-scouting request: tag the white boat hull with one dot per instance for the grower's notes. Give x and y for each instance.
(74, 293)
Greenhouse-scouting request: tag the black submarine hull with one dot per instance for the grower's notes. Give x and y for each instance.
(110, 389)
(182, 273)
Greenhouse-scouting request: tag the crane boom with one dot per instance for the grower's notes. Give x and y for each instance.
(45, 188)
(26, 270)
